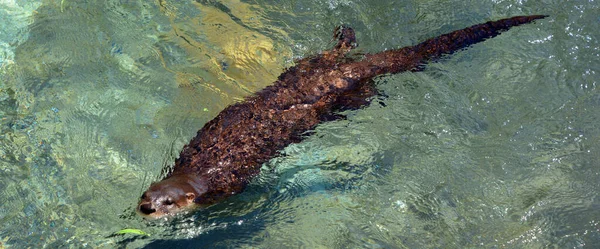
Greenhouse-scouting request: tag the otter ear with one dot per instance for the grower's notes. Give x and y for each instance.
(190, 197)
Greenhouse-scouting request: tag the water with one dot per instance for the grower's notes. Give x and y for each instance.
(496, 146)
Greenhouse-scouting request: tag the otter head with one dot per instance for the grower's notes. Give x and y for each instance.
(171, 195)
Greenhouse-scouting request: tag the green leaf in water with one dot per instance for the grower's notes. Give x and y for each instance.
(133, 231)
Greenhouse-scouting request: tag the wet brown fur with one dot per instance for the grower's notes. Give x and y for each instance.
(230, 149)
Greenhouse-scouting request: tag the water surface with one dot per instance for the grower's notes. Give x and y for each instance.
(495, 146)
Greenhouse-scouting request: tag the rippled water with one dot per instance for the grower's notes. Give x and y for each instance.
(496, 146)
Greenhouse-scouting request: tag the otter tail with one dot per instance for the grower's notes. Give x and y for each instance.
(413, 58)
(454, 41)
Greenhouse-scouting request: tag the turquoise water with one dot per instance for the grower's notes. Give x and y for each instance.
(494, 147)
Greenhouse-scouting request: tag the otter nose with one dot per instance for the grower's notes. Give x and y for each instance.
(147, 209)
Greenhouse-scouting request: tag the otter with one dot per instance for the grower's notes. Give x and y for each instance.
(229, 150)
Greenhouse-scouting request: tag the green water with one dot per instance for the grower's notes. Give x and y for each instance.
(493, 147)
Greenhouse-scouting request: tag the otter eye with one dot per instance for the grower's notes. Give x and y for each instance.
(168, 202)
(143, 196)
